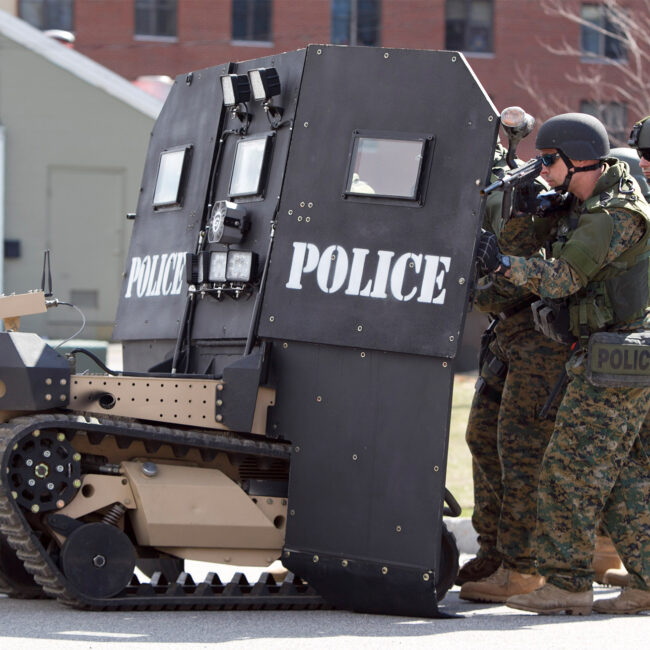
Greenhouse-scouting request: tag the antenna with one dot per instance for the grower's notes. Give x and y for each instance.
(46, 266)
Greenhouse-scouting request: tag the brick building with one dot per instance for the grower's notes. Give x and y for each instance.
(505, 41)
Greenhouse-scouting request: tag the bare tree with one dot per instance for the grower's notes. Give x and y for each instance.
(622, 76)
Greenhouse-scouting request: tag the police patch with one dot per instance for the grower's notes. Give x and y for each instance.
(619, 359)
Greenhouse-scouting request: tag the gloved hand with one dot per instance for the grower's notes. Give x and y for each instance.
(488, 256)
(524, 199)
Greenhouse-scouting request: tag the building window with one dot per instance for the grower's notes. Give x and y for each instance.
(155, 18)
(356, 22)
(593, 41)
(251, 20)
(48, 14)
(612, 114)
(468, 25)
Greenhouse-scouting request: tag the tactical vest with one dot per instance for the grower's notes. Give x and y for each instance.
(617, 292)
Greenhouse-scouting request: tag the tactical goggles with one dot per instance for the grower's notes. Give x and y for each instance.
(644, 153)
(549, 158)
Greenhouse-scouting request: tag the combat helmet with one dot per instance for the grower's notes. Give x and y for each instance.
(640, 134)
(628, 155)
(576, 136)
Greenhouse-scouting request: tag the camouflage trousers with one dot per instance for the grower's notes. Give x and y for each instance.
(596, 465)
(508, 440)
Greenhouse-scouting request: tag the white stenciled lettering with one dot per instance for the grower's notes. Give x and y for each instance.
(299, 265)
(397, 275)
(156, 275)
(405, 275)
(337, 255)
(433, 280)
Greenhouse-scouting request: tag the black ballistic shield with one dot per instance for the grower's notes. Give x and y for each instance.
(370, 173)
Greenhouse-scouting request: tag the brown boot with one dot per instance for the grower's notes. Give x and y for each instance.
(477, 569)
(606, 559)
(550, 599)
(629, 601)
(616, 578)
(498, 587)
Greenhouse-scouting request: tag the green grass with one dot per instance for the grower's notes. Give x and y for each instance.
(459, 462)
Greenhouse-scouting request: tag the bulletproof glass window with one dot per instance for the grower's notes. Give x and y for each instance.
(155, 18)
(249, 167)
(469, 25)
(388, 167)
(613, 115)
(48, 14)
(251, 20)
(172, 171)
(356, 22)
(606, 39)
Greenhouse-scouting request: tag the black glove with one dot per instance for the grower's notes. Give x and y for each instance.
(524, 200)
(488, 256)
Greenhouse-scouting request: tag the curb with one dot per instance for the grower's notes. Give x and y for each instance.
(464, 533)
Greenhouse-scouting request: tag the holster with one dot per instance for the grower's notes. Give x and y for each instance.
(552, 319)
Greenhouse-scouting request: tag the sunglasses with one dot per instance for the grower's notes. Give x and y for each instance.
(549, 158)
(644, 153)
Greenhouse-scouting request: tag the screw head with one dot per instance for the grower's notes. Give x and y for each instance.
(99, 561)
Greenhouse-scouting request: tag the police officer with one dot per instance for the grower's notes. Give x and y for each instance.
(640, 140)
(595, 462)
(518, 369)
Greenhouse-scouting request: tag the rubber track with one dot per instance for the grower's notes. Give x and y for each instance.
(183, 593)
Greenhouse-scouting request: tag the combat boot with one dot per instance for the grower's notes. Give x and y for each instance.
(550, 599)
(607, 565)
(498, 587)
(629, 601)
(477, 569)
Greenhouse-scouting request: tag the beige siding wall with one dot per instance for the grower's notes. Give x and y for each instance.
(74, 158)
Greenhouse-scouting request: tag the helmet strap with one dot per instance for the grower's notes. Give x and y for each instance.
(572, 169)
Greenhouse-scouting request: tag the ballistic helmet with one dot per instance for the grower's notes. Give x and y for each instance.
(577, 135)
(640, 134)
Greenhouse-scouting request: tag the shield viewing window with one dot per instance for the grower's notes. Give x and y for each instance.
(249, 168)
(386, 166)
(170, 180)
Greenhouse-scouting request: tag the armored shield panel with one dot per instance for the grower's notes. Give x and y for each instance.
(354, 187)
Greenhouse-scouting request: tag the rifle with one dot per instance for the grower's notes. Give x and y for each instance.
(519, 176)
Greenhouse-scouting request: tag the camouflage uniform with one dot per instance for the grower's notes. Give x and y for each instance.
(595, 463)
(505, 434)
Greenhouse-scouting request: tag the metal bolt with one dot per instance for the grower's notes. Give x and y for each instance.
(63, 397)
(76, 483)
(398, 528)
(59, 468)
(315, 558)
(63, 382)
(344, 562)
(299, 218)
(285, 345)
(451, 338)
(302, 204)
(269, 502)
(36, 433)
(491, 118)
(444, 364)
(461, 281)
(60, 503)
(14, 495)
(48, 381)
(306, 124)
(307, 219)
(355, 457)
(99, 561)
(219, 417)
(50, 486)
(31, 482)
(149, 469)
(47, 453)
(296, 449)
(453, 59)
(425, 577)
(35, 508)
(359, 328)
(477, 181)
(363, 355)
(29, 462)
(290, 212)
(319, 52)
(219, 402)
(60, 437)
(271, 318)
(386, 55)
(48, 397)
(41, 470)
(219, 386)
(436, 468)
(319, 398)
(384, 570)
(310, 205)
(292, 512)
(76, 457)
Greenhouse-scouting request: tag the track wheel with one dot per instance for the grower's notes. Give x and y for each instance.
(14, 579)
(448, 569)
(98, 560)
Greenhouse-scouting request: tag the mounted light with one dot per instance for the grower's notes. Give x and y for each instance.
(265, 83)
(196, 268)
(241, 266)
(228, 223)
(236, 89)
(218, 262)
(516, 122)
